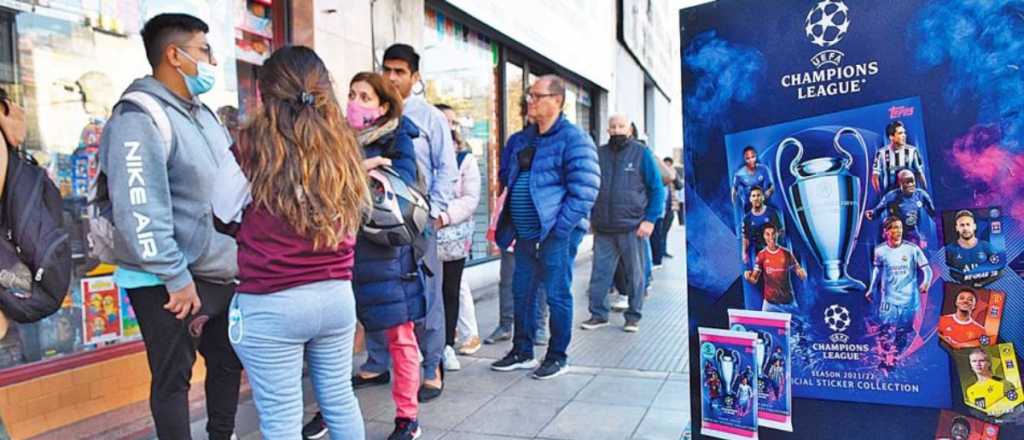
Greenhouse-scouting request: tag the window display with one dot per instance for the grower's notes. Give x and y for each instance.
(67, 98)
(459, 68)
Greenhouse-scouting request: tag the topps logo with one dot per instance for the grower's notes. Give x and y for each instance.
(825, 26)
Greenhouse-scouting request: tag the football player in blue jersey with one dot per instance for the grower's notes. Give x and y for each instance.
(896, 266)
(751, 174)
(760, 214)
(908, 202)
(968, 251)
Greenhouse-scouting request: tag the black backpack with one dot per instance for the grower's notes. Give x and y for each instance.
(33, 229)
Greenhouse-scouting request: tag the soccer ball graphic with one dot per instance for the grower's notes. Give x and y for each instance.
(827, 22)
(837, 318)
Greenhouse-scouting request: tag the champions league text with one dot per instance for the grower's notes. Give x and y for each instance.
(852, 380)
(846, 352)
(832, 81)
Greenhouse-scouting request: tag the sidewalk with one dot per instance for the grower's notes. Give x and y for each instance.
(621, 386)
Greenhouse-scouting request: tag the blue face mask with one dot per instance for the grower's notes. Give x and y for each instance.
(204, 79)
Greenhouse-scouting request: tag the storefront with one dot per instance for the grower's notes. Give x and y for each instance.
(484, 75)
(66, 63)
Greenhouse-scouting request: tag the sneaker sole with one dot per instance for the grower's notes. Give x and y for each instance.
(552, 376)
(417, 434)
(593, 326)
(519, 366)
(316, 436)
(630, 329)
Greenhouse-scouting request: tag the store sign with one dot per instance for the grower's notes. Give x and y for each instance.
(826, 25)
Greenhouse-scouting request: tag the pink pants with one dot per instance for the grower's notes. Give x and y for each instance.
(405, 359)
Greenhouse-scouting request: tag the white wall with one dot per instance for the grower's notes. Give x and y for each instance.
(342, 39)
(577, 34)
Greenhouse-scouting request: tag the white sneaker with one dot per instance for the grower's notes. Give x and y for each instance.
(621, 304)
(451, 361)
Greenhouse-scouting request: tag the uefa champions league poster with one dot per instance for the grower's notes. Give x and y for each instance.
(855, 254)
(821, 171)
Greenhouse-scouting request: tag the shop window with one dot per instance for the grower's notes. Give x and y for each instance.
(67, 64)
(459, 67)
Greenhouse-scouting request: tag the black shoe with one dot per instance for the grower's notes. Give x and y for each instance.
(551, 369)
(427, 394)
(405, 429)
(362, 382)
(514, 361)
(667, 255)
(315, 429)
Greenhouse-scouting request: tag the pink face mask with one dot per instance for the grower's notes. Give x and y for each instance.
(360, 117)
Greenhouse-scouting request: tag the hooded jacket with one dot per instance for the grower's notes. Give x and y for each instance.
(161, 199)
(389, 286)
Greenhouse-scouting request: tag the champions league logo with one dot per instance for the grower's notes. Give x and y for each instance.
(837, 318)
(827, 24)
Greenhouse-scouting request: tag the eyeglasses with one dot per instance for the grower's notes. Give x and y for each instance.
(205, 49)
(533, 97)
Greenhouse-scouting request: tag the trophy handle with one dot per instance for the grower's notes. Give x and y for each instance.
(793, 170)
(848, 162)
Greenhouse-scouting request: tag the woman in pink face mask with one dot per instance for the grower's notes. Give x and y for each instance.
(388, 285)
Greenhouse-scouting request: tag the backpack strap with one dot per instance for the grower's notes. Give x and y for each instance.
(150, 105)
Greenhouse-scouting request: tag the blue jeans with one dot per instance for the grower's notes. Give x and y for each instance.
(272, 332)
(506, 302)
(620, 250)
(648, 261)
(545, 264)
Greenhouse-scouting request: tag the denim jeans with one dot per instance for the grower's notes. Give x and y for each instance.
(273, 332)
(545, 264)
(612, 250)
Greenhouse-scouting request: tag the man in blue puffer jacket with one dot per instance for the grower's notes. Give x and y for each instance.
(553, 180)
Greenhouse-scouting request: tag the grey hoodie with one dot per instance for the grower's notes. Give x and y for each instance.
(161, 200)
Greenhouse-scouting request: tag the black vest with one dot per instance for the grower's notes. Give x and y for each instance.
(622, 201)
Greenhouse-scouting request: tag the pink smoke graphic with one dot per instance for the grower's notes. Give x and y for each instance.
(986, 164)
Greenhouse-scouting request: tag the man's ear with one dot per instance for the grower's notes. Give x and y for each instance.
(172, 57)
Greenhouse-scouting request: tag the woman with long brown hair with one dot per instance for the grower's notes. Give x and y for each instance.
(389, 286)
(295, 197)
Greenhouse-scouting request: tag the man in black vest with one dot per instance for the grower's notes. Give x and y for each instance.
(631, 199)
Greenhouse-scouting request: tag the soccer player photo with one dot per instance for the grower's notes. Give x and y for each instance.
(989, 378)
(953, 426)
(775, 263)
(911, 204)
(894, 157)
(773, 364)
(751, 174)
(895, 269)
(729, 405)
(975, 245)
(754, 221)
(970, 316)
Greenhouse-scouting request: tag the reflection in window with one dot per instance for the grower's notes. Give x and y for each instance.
(459, 68)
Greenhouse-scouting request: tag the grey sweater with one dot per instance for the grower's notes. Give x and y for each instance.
(161, 199)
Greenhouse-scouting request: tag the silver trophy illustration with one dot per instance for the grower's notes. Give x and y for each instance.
(827, 202)
(764, 345)
(727, 360)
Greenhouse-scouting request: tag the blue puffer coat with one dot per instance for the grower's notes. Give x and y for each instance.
(389, 286)
(564, 179)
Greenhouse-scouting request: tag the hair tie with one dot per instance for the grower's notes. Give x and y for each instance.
(307, 98)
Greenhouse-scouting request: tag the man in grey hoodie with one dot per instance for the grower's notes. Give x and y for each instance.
(170, 259)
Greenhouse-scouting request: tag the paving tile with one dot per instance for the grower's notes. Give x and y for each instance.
(515, 416)
(634, 373)
(565, 387)
(579, 420)
(455, 435)
(478, 377)
(660, 424)
(454, 406)
(674, 395)
(616, 390)
(685, 377)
